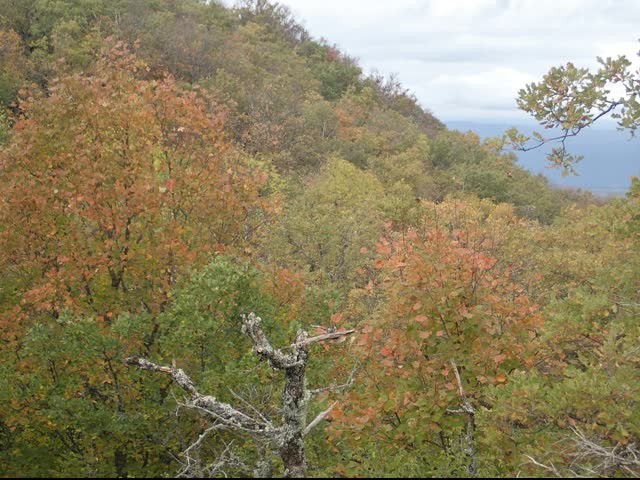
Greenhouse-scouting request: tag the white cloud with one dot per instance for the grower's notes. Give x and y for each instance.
(467, 59)
(488, 93)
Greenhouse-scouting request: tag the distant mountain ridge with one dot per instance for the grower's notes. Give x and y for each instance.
(611, 157)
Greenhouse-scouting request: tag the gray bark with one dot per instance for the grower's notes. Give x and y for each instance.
(288, 437)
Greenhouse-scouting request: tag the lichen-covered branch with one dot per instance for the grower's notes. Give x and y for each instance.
(252, 328)
(221, 411)
(286, 439)
(324, 337)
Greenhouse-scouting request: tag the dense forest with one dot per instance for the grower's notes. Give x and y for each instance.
(227, 251)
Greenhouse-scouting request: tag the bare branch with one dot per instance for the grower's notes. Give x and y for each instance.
(604, 460)
(202, 436)
(591, 458)
(219, 410)
(321, 416)
(469, 433)
(456, 410)
(338, 388)
(177, 375)
(248, 405)
(466, 405)
(549, 468)
(457, 374)
(322, 338)
(192, 466)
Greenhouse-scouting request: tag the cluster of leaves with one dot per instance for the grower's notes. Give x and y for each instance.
(569, 99)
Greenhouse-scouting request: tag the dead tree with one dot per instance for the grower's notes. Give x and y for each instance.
(287, 438)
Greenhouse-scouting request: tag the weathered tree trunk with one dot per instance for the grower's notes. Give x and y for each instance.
(295, 398)
(470, 444)
(287, 439)
(294, 401)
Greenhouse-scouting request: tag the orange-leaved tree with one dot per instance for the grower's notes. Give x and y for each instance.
(454, 326)
(112, 184)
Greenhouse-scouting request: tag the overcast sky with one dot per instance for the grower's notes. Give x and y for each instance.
(466, 59)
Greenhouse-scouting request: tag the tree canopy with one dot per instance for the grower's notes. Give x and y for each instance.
(226, 251)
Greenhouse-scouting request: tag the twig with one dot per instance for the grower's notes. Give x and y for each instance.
(321, 416)
(338, 388)
(322, 338)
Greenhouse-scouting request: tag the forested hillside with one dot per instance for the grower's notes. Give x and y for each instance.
(170, 170)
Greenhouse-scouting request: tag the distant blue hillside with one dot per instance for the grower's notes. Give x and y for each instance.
(610, 157)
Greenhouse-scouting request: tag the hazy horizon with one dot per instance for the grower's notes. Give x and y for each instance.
(611, 157)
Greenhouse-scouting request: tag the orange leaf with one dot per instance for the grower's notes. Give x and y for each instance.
(501, 357)
(386, 351)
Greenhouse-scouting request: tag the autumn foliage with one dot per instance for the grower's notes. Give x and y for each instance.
(449, 305)
(167, 168)
(115, 182)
